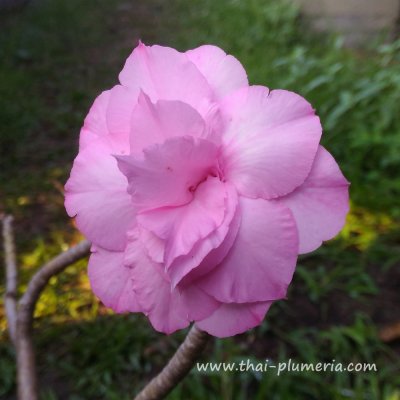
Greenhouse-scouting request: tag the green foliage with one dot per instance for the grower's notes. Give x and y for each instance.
(356, 343)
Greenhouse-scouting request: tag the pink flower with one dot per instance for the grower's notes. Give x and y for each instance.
(199, 191)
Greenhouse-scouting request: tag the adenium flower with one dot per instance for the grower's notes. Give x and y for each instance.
(199, 191)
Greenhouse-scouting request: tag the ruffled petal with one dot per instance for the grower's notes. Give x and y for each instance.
(155, 247)
(96, 193)
(207, 253)
(122, 102)
(167, 309)
(321, 204)
(270, 141)
(223, 72)
(95, 122)
(182, 227)
(165, 73)
(154, 123)
(111, 280)
(261, 262)
(168, 172)
(232, 319)
(199, 305)
(215, 256)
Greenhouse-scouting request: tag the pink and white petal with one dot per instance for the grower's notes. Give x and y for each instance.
(95, 122)
(96, 193)
(166, 173)
(154, 123)
(182, 227)
(164, 73)
(167, 309)
(223, 72)
(232, 319)
(209, 252)
(122, 102)
(261, 262)
(111, 280)
(320, 204)
(270, 142)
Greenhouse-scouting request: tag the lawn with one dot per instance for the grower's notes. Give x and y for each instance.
(55, 57)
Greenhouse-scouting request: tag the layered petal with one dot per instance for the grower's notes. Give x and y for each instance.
(270, 141)
(217, 254)
(111, 280)
(96, 193)
(167, 309)
(198, 192)
(122, 102)
(167, 173)
(223, 72)
(261, 262)
(199, 256)
(155, 247)
(154, 123)
(182, 227)
(164, 73)
(95, 122)
(232, 319)
(320, 204)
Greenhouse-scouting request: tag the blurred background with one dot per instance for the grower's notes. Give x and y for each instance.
(344, 302)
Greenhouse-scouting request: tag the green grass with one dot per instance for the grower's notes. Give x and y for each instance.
(56, 57)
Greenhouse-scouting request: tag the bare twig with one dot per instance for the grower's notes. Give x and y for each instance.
(27, 380)
(40, 279)
(177, 368)
(20, 319)
(20, 314)
(11, 277)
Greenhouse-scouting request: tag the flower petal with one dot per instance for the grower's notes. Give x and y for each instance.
(262, 260)
(168, 171)
(232, 319)
(215, 256)
(167, 309)
(111, 280)
(154, 123)
(154, 246)
(199, 305)
(223, 72)
(270, 142)
(208, 252)
(122, 102)
(96, 193)
(320, 204)
(95, 122)
(182, 227)
(164, 73)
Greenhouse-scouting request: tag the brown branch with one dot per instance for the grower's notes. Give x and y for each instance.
(27, 379)
(11, 276)
(20, 320)
(40, 279)
(20, 314)
(177, 368)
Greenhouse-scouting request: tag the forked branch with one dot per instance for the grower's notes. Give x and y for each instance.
(20, 313)
(20, 321)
